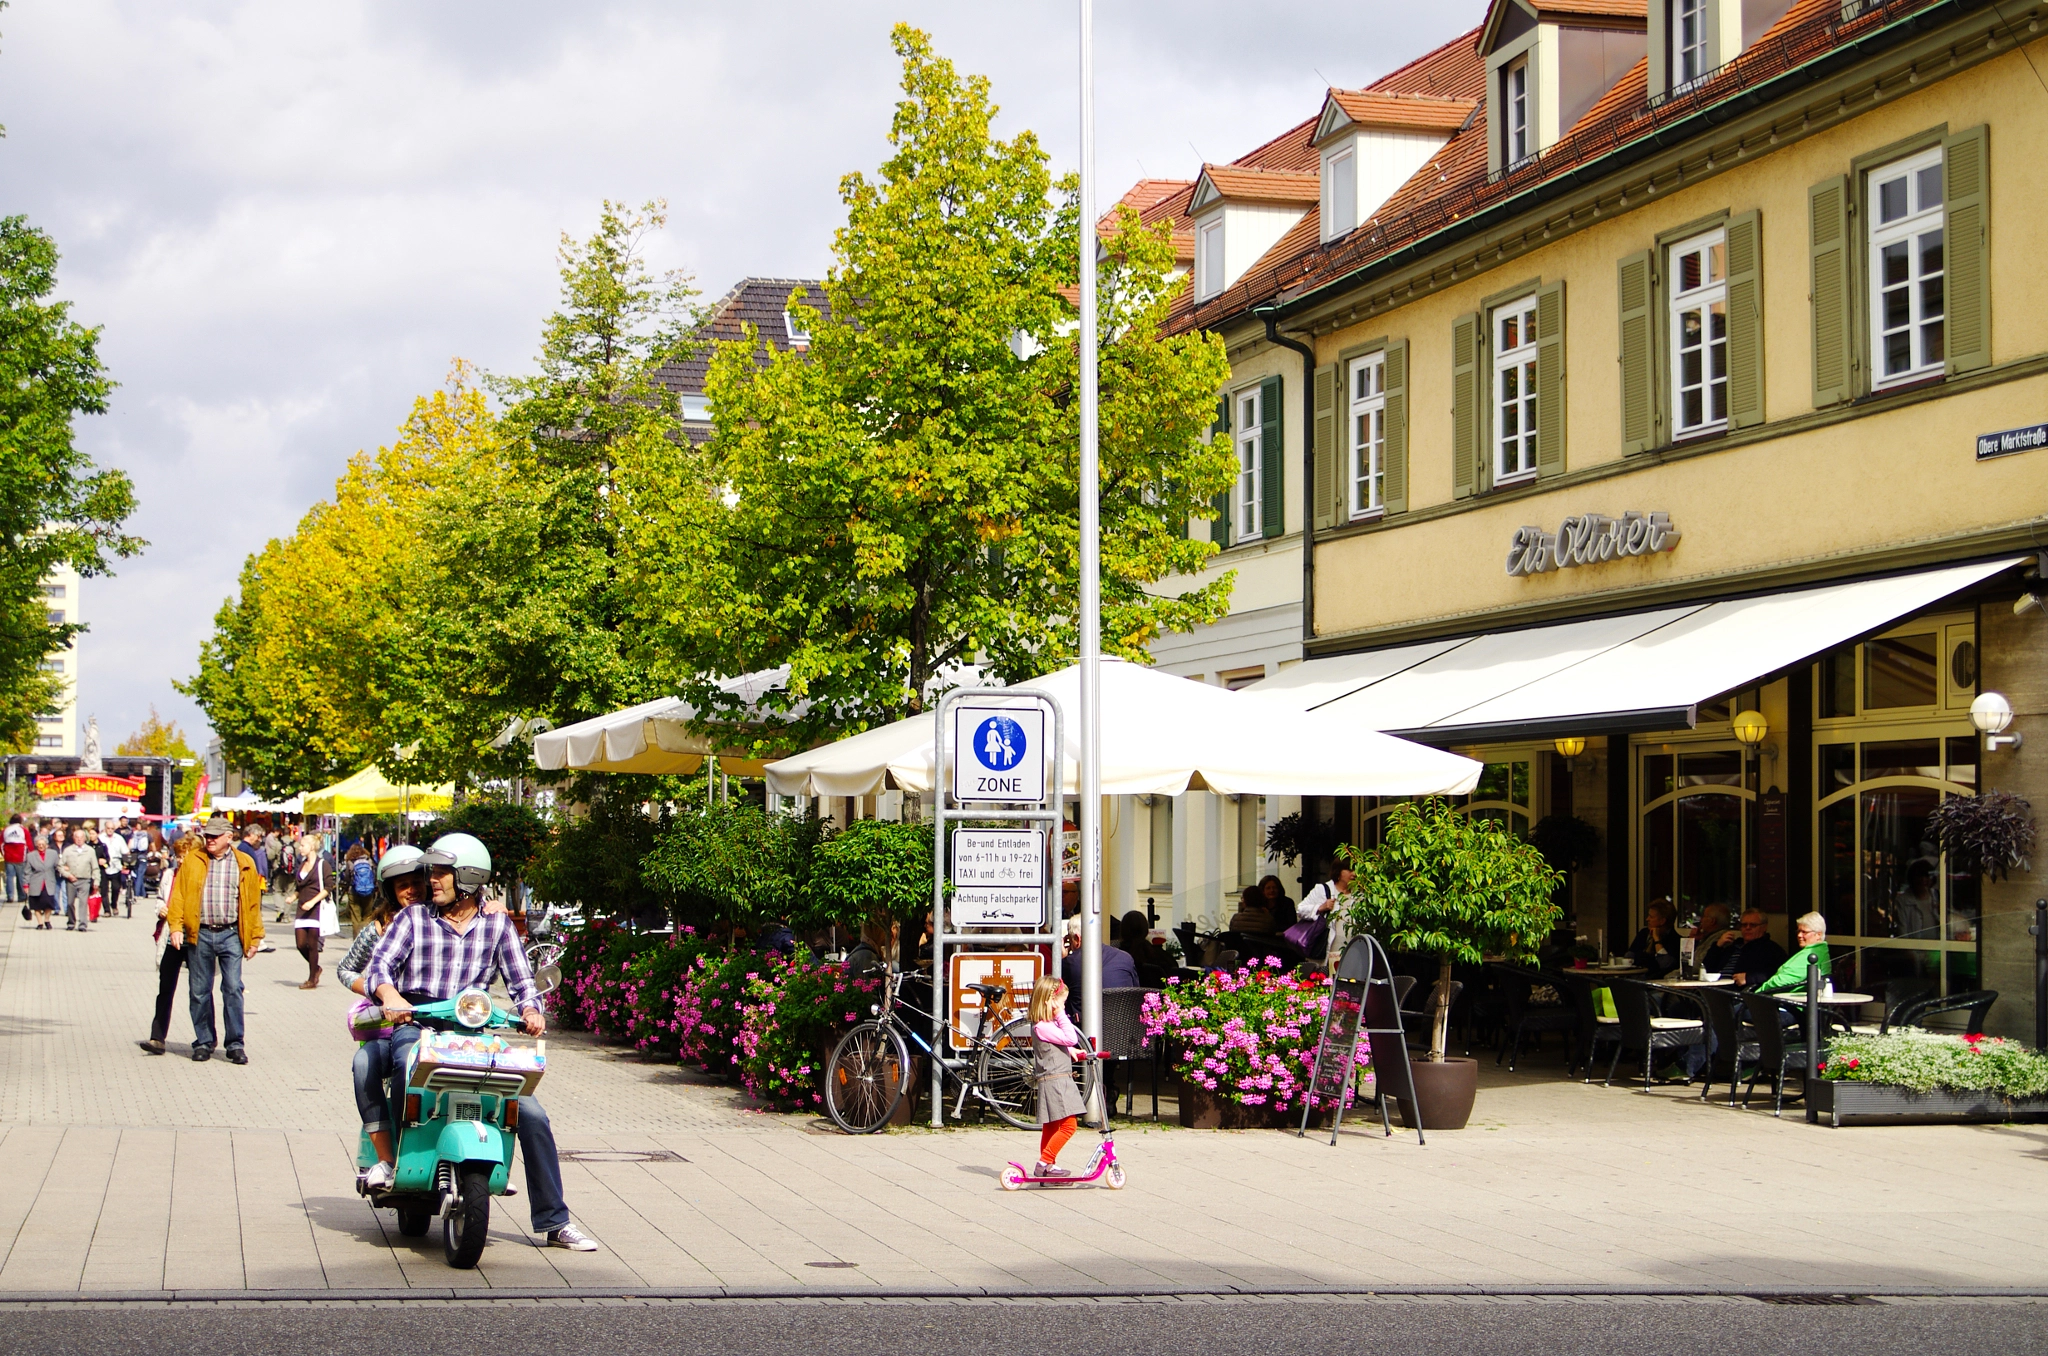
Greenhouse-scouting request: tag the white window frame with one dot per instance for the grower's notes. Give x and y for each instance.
(1907, 232)
(799, 334)
(1518, 361)
(49, 741)
(1710, 292)
(1247, 493)
(1366, 466)
(1699, 12)
(1340, 210)
(1518, 144)
(1209, 258)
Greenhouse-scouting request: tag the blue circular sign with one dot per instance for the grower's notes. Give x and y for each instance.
(999, 744)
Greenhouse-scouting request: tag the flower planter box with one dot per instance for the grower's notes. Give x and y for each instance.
(1201, 1109)
(1850, 1102)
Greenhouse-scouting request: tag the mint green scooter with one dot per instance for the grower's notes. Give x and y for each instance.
(459, 1121)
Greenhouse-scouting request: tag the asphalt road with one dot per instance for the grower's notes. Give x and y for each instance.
(1226, 1328)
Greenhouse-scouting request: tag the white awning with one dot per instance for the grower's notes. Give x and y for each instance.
(651, 737)
(1642, 671)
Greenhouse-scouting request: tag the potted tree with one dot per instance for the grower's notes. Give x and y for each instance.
(1463, 890)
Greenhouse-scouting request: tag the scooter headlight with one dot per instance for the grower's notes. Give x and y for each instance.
(473, 1008)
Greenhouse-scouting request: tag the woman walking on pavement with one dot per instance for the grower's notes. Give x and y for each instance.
(316, 909)
(170, 961)
(39, 880)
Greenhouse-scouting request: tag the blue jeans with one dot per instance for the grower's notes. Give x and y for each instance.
(536, 1140)
(14, 882)
(216, 949)
(372, 1070)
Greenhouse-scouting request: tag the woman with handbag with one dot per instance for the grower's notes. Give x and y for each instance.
(39, 881)
(316, 917)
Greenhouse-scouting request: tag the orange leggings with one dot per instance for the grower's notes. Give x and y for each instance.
(1053, 1137)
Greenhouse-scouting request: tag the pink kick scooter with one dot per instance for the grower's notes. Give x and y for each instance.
(1103, 1167)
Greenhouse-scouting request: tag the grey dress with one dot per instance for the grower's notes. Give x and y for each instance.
(1058, 1095)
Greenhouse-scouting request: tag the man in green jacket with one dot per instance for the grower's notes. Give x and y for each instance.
(1812, 931)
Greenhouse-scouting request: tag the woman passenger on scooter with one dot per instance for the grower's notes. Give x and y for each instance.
(401, 883)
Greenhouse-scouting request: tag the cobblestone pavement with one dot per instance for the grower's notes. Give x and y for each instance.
(154, 1175)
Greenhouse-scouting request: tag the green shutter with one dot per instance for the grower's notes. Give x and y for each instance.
(1466, 425)
(1966, 188)
(1219, 526)
(1745, 321)
(1550, 380)
(1272, 459)
(1827, 215)
(1328, 456)
(1396, 491)
(1638, 353)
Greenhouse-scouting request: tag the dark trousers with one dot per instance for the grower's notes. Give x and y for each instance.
(168, 967)
(536, 1139)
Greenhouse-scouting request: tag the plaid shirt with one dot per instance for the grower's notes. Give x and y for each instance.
(220, 903)
(419, 954)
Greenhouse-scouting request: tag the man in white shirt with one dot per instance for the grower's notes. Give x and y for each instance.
(16, 841)
(116, 884)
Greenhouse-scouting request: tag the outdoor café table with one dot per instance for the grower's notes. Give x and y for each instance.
(1611, 972)
(1693, 983)
(1840, 998)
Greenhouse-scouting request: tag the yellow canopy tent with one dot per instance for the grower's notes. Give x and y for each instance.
(368, 793)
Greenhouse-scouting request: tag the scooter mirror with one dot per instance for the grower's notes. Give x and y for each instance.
(549, 978)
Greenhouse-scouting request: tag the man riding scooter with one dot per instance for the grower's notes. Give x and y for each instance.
(433, 952)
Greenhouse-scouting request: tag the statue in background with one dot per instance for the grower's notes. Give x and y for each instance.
(90, 762)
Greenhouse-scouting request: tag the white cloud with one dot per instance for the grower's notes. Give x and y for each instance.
(290, 218)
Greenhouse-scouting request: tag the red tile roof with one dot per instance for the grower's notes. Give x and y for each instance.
(1456, 182)
(1550, 10)
(1146, 194)
(1249, 185)
(1452, 71)
(1368, 108)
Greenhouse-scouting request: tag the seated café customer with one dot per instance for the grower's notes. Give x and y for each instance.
(1745, 953)
(1656, 947)
(1253, 917)
(1812, 931)
(1134, 939)
(1119, 971)
(1277, 903)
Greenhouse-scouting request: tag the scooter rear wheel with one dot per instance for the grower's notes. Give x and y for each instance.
(414, 1220)
(468, 1222)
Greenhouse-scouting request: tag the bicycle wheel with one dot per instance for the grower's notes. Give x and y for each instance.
(1004, 1073)
(864, 1078)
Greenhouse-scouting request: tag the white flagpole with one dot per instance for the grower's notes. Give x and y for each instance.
(1091, 590)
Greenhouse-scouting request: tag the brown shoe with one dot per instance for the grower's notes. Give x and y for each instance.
(312, 983)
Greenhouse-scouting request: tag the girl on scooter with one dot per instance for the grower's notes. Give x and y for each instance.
(401, 883)
(1053, 1041)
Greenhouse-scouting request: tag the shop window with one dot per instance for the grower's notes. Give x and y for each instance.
(1503, 796)
(1162, 842)
(1251, 838)
(1695, 829)
(1837, 686)
(1899, 671)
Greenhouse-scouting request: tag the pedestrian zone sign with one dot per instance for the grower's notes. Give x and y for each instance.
(999, 754)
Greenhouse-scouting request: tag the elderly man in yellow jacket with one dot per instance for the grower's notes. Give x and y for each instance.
(217, 910)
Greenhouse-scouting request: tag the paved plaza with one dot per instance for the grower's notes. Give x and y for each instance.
(133, 1174)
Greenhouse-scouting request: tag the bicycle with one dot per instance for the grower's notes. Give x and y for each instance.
(867, 1072)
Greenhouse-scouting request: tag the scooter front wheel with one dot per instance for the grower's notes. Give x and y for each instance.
(1114, 1178)
(468, 1222)
(1012, 1178)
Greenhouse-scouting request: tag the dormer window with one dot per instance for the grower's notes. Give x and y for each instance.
(1515, 104)
(1209, 259)
(1688, 41)
(1340, 193)
(799, 332)
(696, 409)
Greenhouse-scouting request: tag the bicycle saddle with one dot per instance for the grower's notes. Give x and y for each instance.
(989, 990)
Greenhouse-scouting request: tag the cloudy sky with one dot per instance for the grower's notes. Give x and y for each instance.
(290, 218)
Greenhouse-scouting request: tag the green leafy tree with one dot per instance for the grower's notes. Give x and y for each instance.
(522, 605)
(592, 859)
(733, 861)
(903, 496)
(871, 871)
(56, 507)
(515, 835)
(1444, 884)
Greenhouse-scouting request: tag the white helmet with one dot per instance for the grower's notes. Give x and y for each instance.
(468, 856)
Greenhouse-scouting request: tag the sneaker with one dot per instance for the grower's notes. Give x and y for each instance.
(237, 1055)
(379, 1177)
(1049, 1170)
(572, 1238)
(201, 1053)
(265, 946)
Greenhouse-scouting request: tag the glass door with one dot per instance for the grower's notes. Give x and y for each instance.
(1694, 849)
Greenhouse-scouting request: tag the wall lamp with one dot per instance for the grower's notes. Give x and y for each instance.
(1991, 713)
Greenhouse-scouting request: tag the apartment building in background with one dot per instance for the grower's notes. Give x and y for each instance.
(57, 730)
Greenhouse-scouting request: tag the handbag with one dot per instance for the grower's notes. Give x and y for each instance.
(1307, 933)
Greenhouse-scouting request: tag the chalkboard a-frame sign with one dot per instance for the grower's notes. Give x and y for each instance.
(1361, 987)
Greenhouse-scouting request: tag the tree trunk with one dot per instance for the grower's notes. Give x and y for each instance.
(1440, 1015)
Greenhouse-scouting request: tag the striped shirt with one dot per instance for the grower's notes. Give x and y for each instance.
(220, 904)
(426, 960)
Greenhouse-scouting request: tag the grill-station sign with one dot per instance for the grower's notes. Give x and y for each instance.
(1589, 539)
